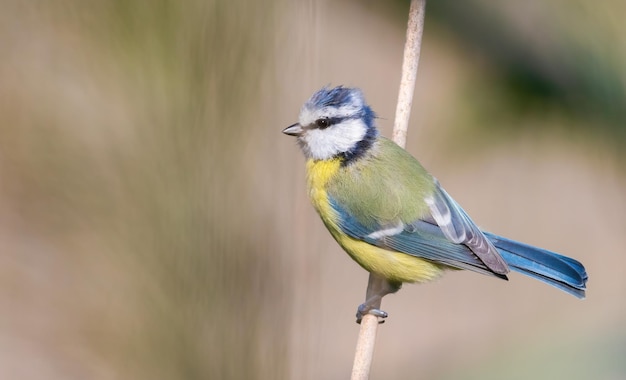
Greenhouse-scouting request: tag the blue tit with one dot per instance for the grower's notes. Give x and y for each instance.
(391, 216)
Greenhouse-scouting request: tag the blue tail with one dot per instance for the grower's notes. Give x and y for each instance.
(559, 271)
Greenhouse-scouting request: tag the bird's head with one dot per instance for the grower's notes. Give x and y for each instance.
(335, 123)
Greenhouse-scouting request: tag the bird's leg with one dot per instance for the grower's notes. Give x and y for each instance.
(377, 288)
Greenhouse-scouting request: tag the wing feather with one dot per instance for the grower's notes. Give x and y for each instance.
(421, 238)
(457, 226)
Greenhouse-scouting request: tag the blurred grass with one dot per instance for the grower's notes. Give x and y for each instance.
(119, 156)
(557, 57)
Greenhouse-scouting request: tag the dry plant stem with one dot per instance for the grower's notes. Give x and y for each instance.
(409, 70)
(365, 348)
(369, 325)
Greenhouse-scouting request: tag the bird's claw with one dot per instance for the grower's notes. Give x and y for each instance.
(365, 309)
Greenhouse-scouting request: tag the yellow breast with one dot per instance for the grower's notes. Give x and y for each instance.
(392, 265)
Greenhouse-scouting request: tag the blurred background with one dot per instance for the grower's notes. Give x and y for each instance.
(154, 222)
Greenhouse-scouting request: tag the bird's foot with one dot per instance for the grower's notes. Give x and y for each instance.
(364, 309)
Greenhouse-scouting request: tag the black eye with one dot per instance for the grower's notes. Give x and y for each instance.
(322, 123)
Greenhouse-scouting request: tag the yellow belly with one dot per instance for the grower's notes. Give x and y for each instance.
(396, 266)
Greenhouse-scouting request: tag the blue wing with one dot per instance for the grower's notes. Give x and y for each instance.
(426, 240)
(457, 226)
(420, 238)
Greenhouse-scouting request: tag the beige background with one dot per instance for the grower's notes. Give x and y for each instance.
(154, 221)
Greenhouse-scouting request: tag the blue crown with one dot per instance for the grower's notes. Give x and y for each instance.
(336, 97)
(343, 96)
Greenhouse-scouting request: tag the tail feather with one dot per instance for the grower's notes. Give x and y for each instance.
(559, 271)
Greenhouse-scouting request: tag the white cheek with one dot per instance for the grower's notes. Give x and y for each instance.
(322, 144)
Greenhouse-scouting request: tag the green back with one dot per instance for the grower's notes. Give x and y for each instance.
(385, 186)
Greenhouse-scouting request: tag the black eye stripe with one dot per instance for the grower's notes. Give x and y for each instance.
(325, 122)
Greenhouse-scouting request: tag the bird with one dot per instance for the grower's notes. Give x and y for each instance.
(392, 216)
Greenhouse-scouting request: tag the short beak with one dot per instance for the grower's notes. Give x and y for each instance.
(294, 130)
